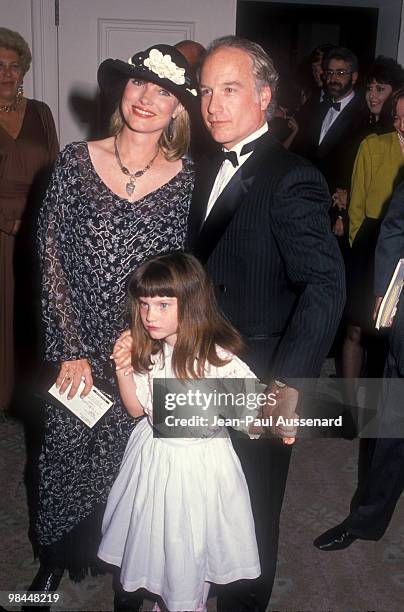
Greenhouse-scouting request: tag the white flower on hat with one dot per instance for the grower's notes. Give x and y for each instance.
(164, 67)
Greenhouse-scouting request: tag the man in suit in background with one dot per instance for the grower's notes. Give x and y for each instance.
(327, 139)
(259, 221)
(376, 497)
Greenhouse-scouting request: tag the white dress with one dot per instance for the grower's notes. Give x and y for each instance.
(179, 512)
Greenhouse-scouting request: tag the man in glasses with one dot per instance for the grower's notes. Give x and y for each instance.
(328, 136)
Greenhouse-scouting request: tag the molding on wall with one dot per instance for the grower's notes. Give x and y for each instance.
(107, 27)
(45, 54)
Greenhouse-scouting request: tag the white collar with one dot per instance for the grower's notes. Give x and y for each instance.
(260, 132)
(345, 101)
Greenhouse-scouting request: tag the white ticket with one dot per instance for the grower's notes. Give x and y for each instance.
(90, 408)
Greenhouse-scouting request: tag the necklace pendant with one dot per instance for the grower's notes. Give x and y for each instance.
(130, 188)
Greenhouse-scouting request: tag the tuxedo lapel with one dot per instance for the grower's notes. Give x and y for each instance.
(205, 179)
(229, 201)
(337, 129)
(318, 116)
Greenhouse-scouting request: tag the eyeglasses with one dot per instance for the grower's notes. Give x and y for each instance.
(13, 68)
(337, 73)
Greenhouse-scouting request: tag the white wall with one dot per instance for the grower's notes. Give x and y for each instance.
(388, 31)
(65, 59)
(400, 55)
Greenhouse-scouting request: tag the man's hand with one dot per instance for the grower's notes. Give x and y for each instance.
(338, 229)
(293, 125)
(71, 374)
(122, 353)
(286, 403)
(376, 308)
(340, 199)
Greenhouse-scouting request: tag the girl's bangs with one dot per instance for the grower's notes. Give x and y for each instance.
(156, 280)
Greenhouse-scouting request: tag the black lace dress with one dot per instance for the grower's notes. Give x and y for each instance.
(90, 241)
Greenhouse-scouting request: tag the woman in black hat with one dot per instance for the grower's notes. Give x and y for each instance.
(111, 205)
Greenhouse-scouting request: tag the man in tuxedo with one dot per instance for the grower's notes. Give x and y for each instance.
(259, 222)
(380, 487)
(327, 138)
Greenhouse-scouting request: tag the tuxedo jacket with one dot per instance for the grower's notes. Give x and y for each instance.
(335, 155)
(275, 265)
(390, 248)
(390, 244)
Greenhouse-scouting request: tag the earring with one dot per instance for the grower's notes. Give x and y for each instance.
(170, 129)
(20, 92)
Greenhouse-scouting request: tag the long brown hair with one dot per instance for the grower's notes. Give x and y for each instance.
(201, 325)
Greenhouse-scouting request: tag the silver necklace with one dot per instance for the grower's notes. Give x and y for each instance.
(130, 186)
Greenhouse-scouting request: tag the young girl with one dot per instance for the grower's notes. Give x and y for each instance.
(178, 516)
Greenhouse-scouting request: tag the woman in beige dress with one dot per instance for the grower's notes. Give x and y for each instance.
(28, 144)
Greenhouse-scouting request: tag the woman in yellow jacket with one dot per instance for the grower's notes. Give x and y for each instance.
(376, 171)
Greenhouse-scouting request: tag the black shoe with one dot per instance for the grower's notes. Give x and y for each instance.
(46, 580)
(127, 602)
(336, 538)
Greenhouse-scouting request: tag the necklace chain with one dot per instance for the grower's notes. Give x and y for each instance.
(9, 108)
(130, 186)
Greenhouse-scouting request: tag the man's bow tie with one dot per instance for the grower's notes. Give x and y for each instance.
(328, 103)
(232, 155)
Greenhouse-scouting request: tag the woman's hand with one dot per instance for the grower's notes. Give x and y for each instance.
(122, 353)
(16, 227)
(71, 374)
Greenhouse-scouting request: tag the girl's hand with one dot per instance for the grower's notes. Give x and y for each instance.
(71, 374)
(286, 402)
(122, 353)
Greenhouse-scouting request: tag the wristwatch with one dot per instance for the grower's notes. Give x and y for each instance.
(279, 385)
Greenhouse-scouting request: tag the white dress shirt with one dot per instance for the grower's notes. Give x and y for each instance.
(227, 170)
(333, 114)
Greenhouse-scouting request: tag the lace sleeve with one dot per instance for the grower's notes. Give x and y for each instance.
(62, 331)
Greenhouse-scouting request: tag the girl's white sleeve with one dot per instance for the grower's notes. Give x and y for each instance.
(248, 386)
(143, 391)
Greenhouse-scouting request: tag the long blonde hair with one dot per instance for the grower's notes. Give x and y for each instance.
(174, 141)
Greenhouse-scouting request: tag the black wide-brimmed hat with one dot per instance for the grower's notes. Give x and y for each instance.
(160, 64)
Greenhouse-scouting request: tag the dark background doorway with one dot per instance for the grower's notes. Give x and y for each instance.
(288, 32)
